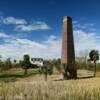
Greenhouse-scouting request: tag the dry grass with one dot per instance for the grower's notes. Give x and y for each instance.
(35, 88)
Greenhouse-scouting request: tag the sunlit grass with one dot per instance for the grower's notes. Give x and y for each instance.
(35, 88)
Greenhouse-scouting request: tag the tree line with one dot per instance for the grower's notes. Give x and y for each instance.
(49, 66)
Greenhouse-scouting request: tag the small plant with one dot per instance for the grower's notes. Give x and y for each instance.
(47, 68)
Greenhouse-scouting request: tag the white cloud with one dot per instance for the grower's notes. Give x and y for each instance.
(29, 43)
(16, 48)
(23, 25)
(32, 27)
(50, 48)
(77, 25)
(3, 35)
(12, 20)
(86, 41)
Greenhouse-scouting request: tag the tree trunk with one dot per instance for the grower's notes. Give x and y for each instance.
(46, 73)
(46, 77)
(25, 73)
(94, 68)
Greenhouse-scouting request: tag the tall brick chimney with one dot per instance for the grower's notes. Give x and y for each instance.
(68, 53)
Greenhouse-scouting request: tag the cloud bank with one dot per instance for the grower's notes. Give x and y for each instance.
(12, 20)
(49, 48)
(16, 48)
(21, 25)
(32, 27)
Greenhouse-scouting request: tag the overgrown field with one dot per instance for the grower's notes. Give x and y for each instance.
(35, 88)
(16, 73)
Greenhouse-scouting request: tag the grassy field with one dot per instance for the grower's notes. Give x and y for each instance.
(36, 88)
(15, 73)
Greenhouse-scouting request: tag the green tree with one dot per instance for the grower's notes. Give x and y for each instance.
(21, 63)
(94, 56)
(15, 63)
(25, 63)
(8, 64)
(47, 68)
(2, 66)
(57, 64)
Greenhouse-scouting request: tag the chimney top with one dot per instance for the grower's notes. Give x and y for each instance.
(67, 18)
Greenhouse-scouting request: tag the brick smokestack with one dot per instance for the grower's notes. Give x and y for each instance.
(68, 53)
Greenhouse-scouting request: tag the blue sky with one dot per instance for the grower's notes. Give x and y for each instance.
(35, 26)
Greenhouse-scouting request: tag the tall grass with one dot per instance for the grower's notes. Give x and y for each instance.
(83, 89)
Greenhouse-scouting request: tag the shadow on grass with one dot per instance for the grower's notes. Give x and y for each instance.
(87, 77)
(8, 77)
(11, 75)
(78, 78)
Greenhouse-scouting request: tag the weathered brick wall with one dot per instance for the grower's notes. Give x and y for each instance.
(67, 41)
